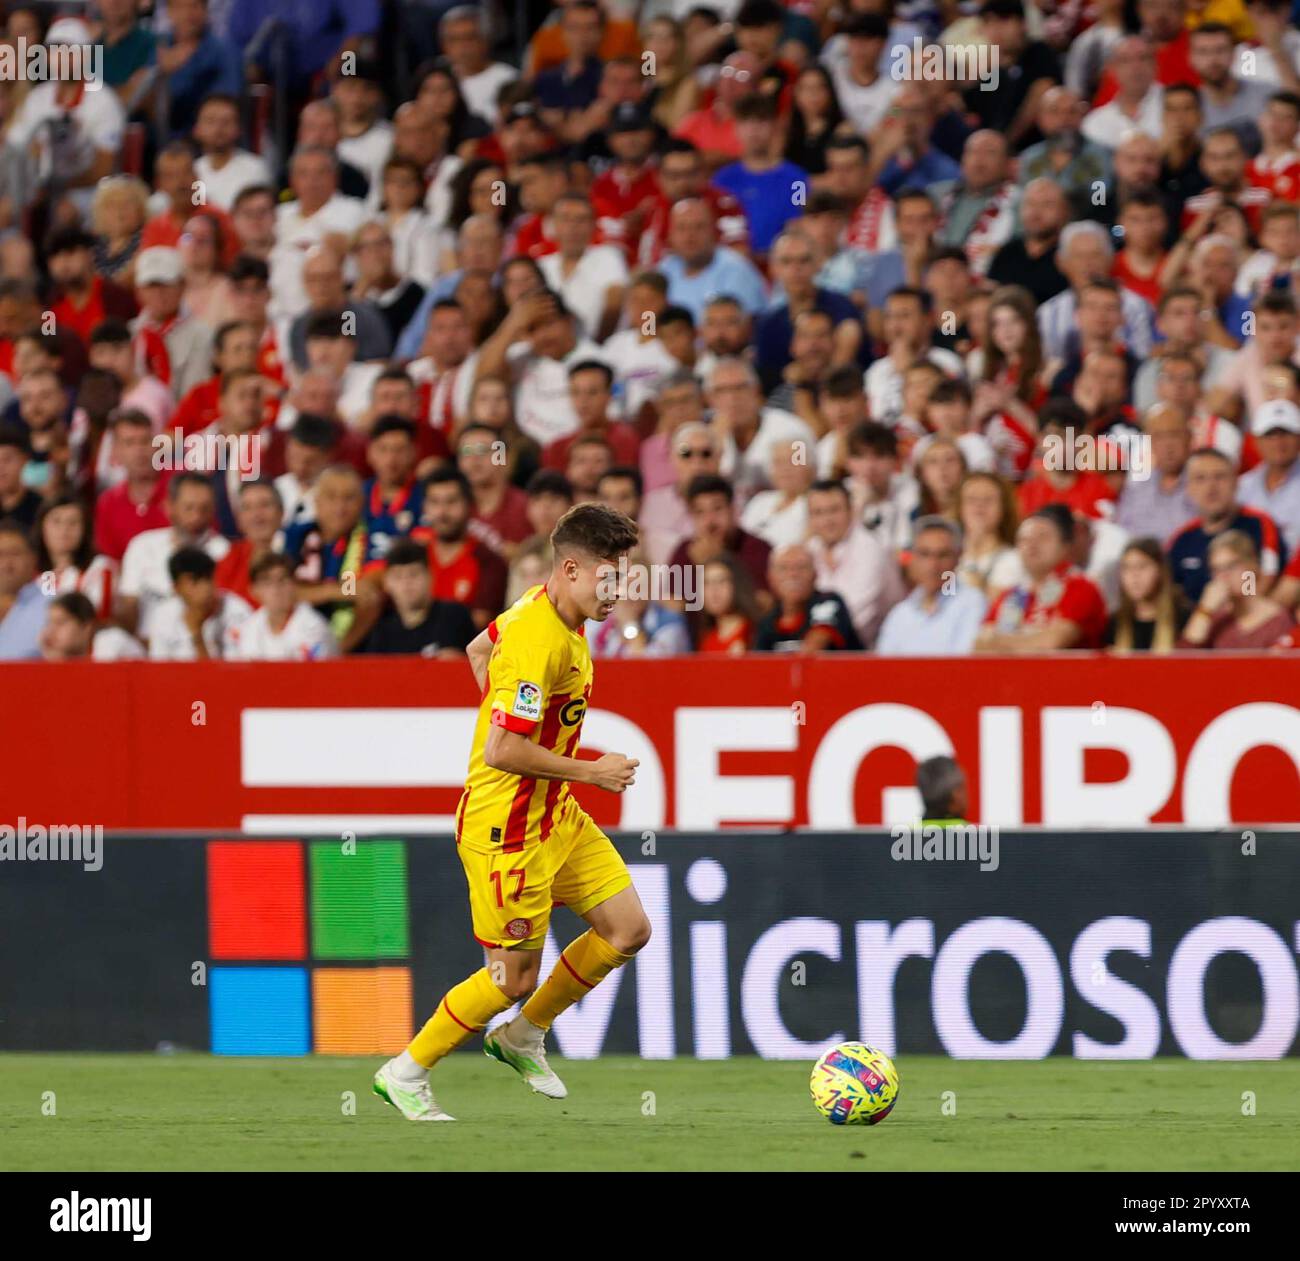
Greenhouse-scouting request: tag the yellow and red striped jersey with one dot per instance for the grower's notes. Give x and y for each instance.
(539, 681)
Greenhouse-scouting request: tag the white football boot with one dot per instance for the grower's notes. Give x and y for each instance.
(519, 1045)
(412, 1098)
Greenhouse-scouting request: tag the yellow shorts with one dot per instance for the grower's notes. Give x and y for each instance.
(511, 895)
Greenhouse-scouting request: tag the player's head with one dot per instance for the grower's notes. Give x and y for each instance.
(588, 542)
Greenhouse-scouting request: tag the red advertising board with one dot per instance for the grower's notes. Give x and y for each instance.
(381, 744)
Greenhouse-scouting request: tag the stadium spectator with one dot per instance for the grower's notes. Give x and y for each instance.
(1273, 485)
(1212, 488)
(780, 515)
(940, 617)
(464, 569)
(81, 297)
(337, 571)
(590, 394)
(65, 554)
(639, 625)
(769, 188)
(225, 169)
(417, 622)
(747, 431)
(589, 278)
(729, 612)
(283, 627)
(1232, 611)
(1029, 258)
(803, 619)
(882, 495)
(146, 579)
(138, 501)
(698, 267)
(500, 507)
(1027, 68)
(175, 347)
(793, 269)
(1065, 468)
(849, 561)
(1085, 255)
(1055, 606)
(1151, 612)
(308, 446)
(988, 517)
(259, 514)
(979, 209)
(534, 347)
(23, 601)
(197, 621)
(70, 633)
(1154, 502)
(1138, 100)
(1064, 156)
(715, 530)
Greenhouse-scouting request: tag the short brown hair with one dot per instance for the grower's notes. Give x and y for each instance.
(596, 530)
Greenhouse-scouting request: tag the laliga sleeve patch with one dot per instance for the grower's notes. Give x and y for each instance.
(528, 702)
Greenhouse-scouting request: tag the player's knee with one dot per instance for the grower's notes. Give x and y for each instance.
(632, 936)
(516, 988)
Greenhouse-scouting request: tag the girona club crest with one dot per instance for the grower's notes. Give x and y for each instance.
(519, 929)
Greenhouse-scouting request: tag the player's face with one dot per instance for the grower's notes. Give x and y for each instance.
(593, 583)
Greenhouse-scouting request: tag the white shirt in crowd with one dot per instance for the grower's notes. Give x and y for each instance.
(748, 470)
(601, 268)
(883, 383)
(639, 369)
(170, 638)
(144, 570)
(1109, 124)
(295, 235)
(242, 170)
(369, 151)
(543, 409)
(306, 636)
(864, 107)
(480, 90)
(775, 521)
(863, 574)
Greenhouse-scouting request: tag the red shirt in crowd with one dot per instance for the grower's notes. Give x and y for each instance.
(613, 195)
(1067, 595)
(232, 571)
(509, 523)
(1173, 65)
(107, 301)
(1090, 494)
(622, 439)
(118, 519)
(475, 577)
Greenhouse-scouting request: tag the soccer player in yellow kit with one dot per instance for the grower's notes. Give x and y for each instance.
(523, 840)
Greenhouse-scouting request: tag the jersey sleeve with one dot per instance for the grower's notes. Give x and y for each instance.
(521, 673)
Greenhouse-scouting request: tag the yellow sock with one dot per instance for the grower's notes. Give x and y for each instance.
(463, 1012)
(584, 964)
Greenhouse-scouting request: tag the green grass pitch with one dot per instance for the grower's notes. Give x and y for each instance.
(198, 1112)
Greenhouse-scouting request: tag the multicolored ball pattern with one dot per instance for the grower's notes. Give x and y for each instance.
(854, 1084)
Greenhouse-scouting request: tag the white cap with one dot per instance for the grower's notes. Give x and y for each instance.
(159, 265)
(68, 31)
(1277, 413)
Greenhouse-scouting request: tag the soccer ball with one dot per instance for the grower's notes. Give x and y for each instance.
(854, 1084)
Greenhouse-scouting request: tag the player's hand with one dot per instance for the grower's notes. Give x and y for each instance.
(613, 772)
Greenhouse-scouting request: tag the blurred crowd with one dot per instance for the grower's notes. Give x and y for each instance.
(899, 326)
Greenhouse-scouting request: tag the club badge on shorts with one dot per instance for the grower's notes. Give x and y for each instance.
(519, 929)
